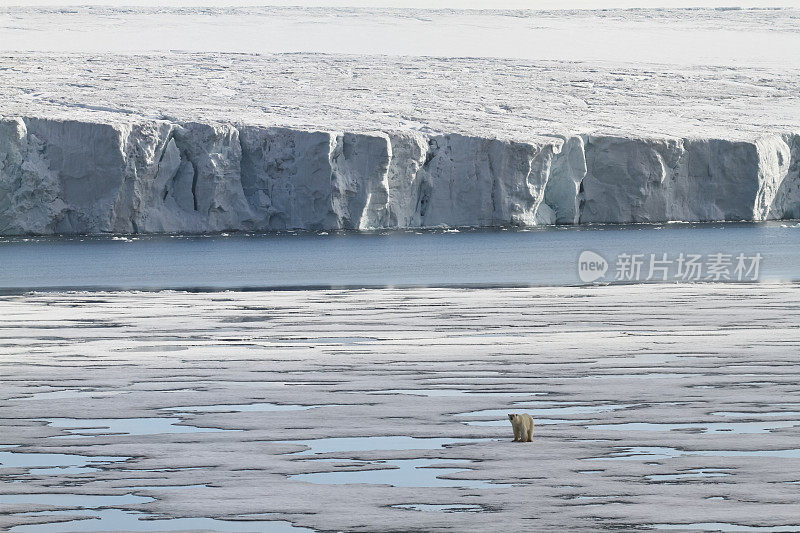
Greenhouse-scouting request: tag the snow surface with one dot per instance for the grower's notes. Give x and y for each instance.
(150, 140)
(711, 37)
(425, 4)
(656, 370)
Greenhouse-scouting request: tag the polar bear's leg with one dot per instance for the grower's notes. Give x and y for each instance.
(517, 435)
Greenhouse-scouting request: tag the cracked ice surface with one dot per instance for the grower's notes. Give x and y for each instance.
(636, 376)
(237, 137)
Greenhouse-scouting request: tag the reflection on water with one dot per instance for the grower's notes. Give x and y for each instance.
(537, 256)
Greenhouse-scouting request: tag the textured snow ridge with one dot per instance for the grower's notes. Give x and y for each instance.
(66, 176)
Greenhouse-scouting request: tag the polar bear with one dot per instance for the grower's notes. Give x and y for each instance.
(523, 427)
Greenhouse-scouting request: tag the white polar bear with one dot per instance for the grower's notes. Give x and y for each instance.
(523, 427)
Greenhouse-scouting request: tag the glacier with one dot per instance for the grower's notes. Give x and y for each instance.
(63, 176)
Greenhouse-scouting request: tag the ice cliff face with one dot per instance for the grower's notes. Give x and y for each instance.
(653, 180)
(158, 176)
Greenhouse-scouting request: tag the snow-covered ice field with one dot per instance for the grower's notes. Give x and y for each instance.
(680, 72)
(500, 97)
(703, 36)
(654, 406)
(394, 118)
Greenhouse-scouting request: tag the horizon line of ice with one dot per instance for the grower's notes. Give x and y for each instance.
(158, 176)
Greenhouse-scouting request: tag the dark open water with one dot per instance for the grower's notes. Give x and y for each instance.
(541, 256)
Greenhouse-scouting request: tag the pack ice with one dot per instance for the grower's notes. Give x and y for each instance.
(147, 176)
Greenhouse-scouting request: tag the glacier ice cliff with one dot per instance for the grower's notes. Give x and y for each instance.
(148, 176)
